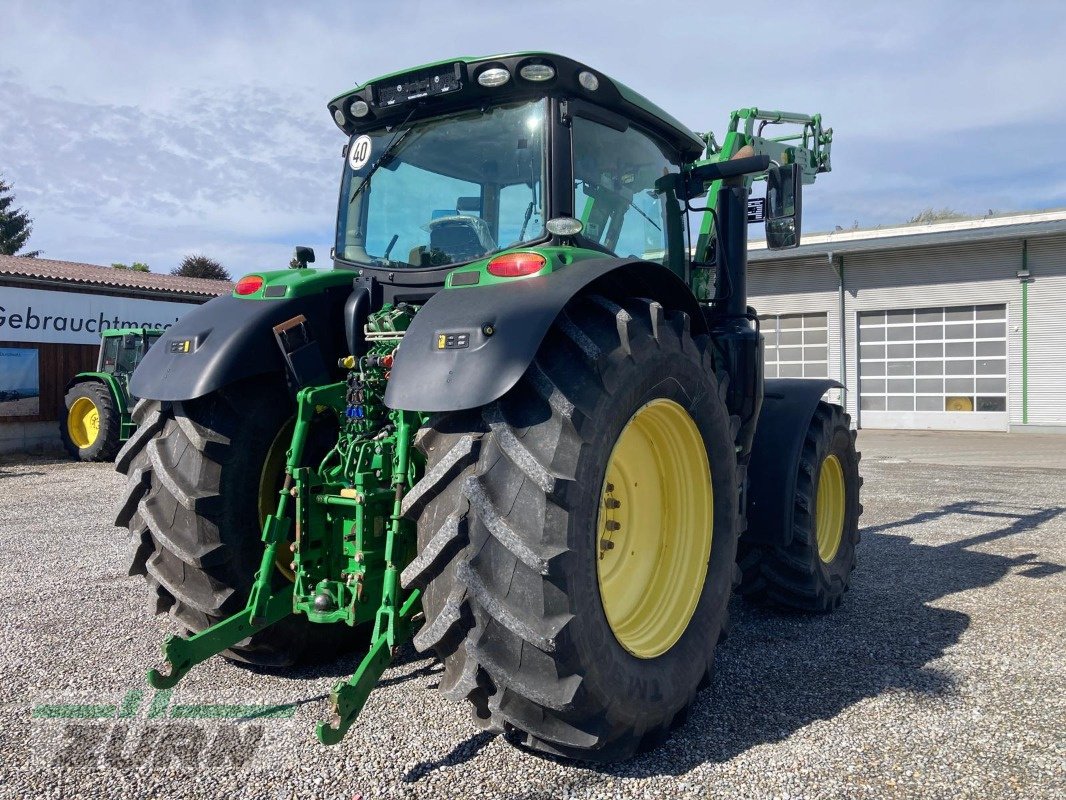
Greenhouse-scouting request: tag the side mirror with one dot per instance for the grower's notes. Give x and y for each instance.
(304, 256)
(784, 186)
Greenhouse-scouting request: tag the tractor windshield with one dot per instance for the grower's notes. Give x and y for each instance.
(448, 190)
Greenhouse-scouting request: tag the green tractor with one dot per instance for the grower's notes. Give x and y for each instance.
(97, 419)
(522, 421)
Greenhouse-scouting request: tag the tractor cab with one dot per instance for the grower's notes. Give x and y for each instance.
(122, 349)
(460, 160)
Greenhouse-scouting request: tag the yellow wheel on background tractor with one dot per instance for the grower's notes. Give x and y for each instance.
(90, 428)
(83, 422)
(655, 526)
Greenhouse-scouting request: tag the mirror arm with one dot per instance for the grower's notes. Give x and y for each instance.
(693, 183)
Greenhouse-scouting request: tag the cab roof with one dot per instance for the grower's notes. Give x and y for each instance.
(444, 85)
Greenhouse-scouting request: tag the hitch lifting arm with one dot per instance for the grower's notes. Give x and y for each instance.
(333, 512)
(264, 606)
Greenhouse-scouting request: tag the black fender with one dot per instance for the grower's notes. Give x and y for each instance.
(504, 324)
(114, 388)
(788, 407)
(229, 339)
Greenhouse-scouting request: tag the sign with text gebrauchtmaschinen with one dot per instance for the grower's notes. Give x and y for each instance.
(39, 315)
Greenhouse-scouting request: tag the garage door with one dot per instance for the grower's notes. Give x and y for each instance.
(940, 368)
(796, 345)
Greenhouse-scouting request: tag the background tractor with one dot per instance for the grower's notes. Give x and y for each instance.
(523, 420)
(97, 419)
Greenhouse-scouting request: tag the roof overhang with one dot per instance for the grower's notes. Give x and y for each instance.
(989, 229)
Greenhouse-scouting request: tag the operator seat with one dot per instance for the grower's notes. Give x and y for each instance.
(462, 238)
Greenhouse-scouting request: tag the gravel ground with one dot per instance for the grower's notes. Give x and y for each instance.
(942, 675)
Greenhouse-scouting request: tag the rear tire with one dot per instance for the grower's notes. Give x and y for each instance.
(90, 429)
(507, 516)
(799, 577)
(191, 506)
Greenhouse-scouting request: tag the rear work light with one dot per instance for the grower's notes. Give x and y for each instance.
(249, 284)
(516, 265)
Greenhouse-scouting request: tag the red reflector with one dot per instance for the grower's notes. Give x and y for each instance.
(249, 284)
(515, 265)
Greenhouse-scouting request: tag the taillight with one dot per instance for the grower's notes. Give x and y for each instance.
(249, 284)
(515, 265)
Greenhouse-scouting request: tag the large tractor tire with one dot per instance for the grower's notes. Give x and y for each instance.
(201, 476)
(813, 571)
(577, 537)
(90, 429)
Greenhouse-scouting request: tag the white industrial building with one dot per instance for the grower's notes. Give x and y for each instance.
(954, 325)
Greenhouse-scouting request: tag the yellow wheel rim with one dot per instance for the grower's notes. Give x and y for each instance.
(958, 404)
(654, 528)
(270, 482)
(83, 422)
(829, 508)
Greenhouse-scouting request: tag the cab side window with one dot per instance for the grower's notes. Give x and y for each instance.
(614, 189)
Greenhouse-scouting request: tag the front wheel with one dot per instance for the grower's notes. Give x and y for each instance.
(90, 429)
(813, 571)
(577, 537)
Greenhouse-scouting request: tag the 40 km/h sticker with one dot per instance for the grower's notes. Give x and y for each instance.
(359, 153)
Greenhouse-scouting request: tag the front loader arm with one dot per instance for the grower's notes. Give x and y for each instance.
(805, 142)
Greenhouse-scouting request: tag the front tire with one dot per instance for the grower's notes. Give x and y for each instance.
(813, 571)
(511, 525)
(90, 428)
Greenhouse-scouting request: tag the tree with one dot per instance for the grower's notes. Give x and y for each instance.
(200, 266)
(136, 266)
(15, 225)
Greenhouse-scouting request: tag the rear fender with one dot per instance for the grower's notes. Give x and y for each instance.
(108, 380)
(229, 338)
(504, 325)
(788, 407)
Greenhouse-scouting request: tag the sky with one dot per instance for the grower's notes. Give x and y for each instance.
(140, 131)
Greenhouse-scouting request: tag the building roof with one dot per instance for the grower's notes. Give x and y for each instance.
(985, 229)
(44, 269)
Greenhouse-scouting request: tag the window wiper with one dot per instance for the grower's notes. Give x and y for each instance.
(636, 208)
(386, 154)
